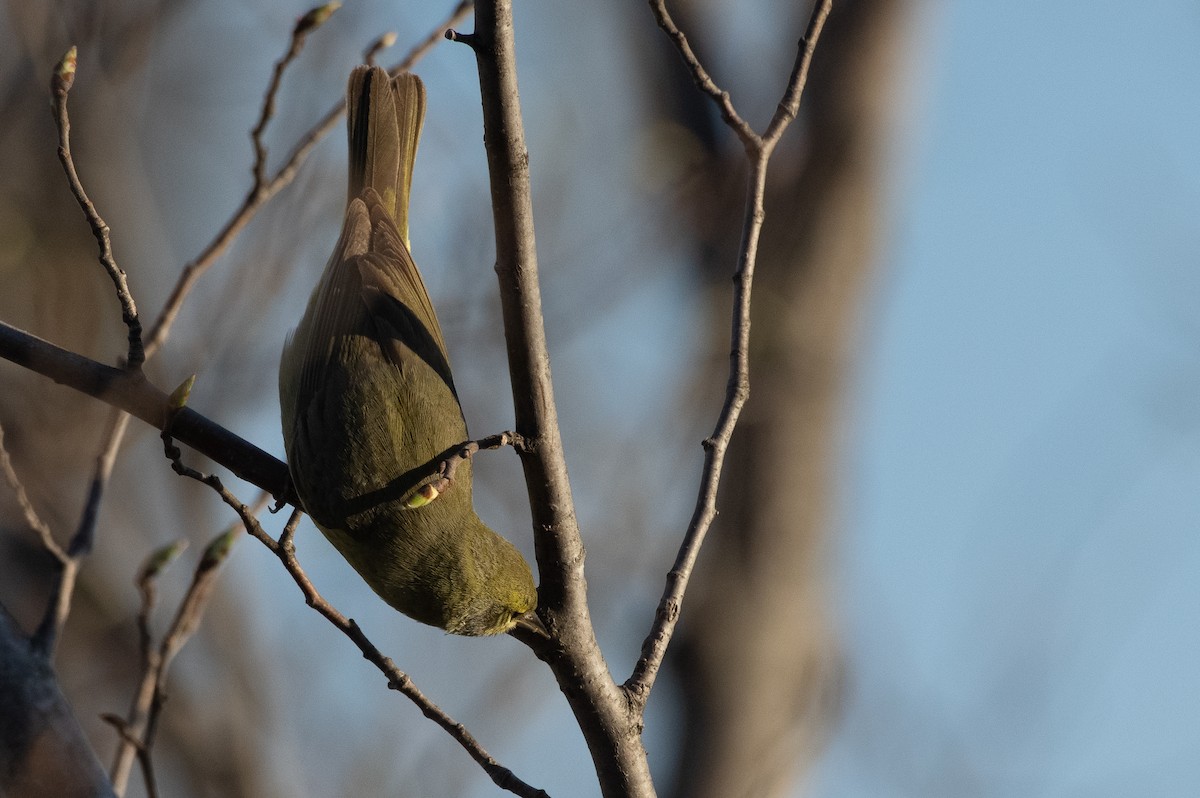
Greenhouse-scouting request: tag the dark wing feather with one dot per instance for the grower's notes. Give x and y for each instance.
(396, 300)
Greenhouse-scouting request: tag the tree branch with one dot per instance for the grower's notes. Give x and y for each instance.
(32, 518)
(60, 86)
(136, 395)
(612, 731)
(140, 725)
(700, 76)
(46, 636)
(308, 23)
(758, 151)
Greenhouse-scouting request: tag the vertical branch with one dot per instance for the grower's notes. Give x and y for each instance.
(130, 727)
(140, 724)
(762, 696)
(559, 548)
(60, 86)
(46, 636)
(611, 729)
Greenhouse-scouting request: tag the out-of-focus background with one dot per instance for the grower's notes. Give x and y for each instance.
(957, 554)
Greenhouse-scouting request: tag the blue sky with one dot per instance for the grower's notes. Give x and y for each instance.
(1020, 556)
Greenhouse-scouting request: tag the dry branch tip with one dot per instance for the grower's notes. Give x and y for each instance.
(469, 39)
(315, 18)
(379, 45)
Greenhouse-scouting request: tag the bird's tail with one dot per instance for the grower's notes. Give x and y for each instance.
(385, 117)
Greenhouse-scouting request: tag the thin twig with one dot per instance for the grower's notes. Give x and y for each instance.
(131, 727)
(397, 680)
(304, 26)
(55, 616)
(758, 150)
(135, 745)
(60, 86)
(700, 75)
(27, 509)
(378, 46)
(789, 106)
(187, 619)
(142, 718)
(46, 637)
(602, 710)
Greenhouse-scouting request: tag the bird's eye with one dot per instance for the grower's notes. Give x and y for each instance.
(421, 497)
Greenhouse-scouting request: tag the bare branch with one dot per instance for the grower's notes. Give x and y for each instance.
(517, 271)
(46, 637)
(141, 722)
(304, 26)
(27, 509)
(134, 745)
(131, 727)
(612, 731)
(379, 45)
(136, 395)
(464, 451)
(789, 106)
(700, 75)
(758, 151)
(60, 86)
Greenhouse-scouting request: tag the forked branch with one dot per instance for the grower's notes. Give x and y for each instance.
(758, 151)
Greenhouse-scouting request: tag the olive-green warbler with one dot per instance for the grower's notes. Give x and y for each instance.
(368, 403)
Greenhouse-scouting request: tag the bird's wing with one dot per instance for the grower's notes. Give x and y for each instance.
(395, 299)
(334, 310)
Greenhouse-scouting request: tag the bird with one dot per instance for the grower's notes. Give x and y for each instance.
(368, 403)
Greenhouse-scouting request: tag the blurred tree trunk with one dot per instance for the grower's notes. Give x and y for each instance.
(43, 751)
(756, 657)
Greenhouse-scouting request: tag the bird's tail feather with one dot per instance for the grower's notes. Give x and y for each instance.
(384, 116)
